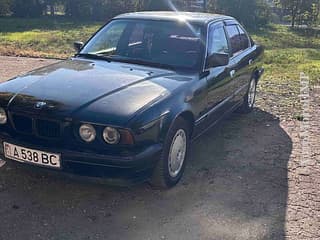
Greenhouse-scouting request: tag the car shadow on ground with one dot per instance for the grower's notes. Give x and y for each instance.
(235, 187)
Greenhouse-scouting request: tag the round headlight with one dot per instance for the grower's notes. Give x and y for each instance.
(111, 135)
(3, 116)
(87, 133)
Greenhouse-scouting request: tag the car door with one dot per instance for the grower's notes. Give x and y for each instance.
(219, 81)
(240, 60)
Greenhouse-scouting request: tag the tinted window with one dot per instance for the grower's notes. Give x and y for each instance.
(243, 38)
(218, 42)
(234, 37)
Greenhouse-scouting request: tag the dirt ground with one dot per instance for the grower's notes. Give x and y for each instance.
(251, 177)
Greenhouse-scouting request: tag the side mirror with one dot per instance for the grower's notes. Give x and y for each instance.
(78, 46)
(217, 60)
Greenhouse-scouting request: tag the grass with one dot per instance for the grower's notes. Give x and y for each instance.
(45, 37)
(288, 52)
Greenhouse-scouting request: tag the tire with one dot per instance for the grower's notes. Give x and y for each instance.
(249, 99)
(164, 176)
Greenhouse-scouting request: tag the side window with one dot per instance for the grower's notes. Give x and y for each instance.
(218, 42)
(234, 37)
(243, 38)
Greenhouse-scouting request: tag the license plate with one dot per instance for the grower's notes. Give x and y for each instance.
(27, 155)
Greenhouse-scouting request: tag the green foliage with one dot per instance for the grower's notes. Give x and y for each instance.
(43, 37)
(251, 13)
(300, 11)
(158, 5)
(5, 7)
(27, 8)
(101, 9)
(288, 53)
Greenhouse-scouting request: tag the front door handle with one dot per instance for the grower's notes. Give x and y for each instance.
(232, 73)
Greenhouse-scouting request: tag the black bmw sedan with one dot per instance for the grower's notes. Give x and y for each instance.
(129, 103)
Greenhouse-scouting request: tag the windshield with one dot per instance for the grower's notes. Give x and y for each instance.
(155, 43)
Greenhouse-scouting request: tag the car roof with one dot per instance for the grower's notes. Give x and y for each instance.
(197, 17)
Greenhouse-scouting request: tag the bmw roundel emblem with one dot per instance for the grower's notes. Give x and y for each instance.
(40, 105)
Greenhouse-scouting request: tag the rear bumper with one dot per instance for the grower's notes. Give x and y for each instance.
(133, 168)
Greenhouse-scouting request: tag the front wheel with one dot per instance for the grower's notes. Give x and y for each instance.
(250, 98)
(171, 165)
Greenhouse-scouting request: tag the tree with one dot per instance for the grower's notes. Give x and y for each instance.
(99, 9)
(5, 7)
(310, 12)
(251, 13)
(300, 11)
(159, 5)
(141, 4)
(51, 4)
(27, 8)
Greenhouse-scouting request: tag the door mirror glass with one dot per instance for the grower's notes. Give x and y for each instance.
(78, 46)
(217, 60)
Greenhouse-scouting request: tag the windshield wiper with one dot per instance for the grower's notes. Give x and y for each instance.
(146, 63)
(116, 58)
(94, 56)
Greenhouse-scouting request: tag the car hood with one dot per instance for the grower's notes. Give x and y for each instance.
(95, 91)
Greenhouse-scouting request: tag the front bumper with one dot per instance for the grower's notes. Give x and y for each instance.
(134, 168)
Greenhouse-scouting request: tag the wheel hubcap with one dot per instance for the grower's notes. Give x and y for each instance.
(177, 153)
(252, 93)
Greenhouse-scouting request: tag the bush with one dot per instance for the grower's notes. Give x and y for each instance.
(5, 7)
(27, 8)
(251, 13)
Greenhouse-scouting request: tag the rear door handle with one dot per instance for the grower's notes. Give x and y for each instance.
(232, 73)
